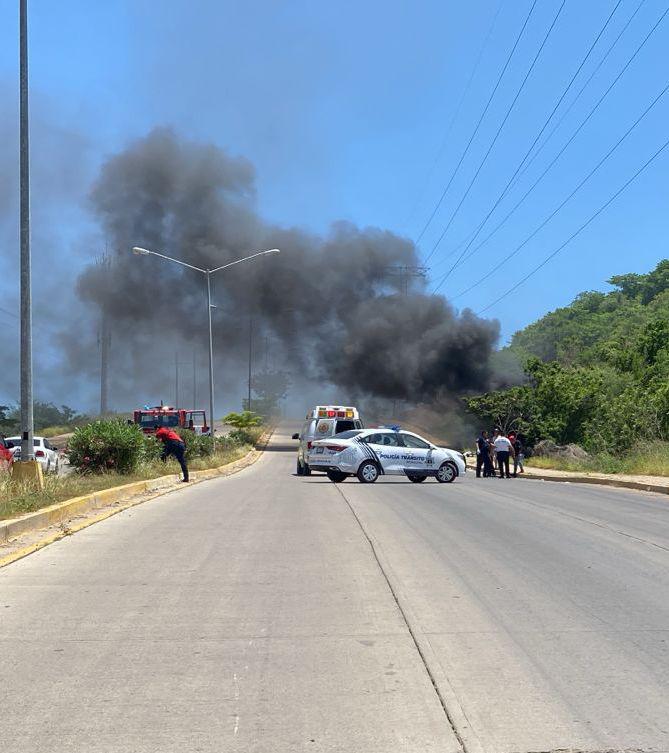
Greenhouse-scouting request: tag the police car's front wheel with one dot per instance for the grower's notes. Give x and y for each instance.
(447, 473)
(368, 472)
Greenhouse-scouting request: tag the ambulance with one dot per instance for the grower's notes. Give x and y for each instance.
(321, 422)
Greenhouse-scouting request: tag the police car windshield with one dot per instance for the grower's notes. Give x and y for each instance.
(348, 434)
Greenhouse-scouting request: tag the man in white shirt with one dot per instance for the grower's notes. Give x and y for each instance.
(504, 450)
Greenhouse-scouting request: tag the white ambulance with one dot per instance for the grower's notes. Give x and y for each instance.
(322, 422)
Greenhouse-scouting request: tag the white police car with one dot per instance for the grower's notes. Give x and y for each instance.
(369, 453)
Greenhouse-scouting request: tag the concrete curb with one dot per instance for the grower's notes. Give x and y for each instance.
(642, 486)
(59, 512)
(62, 511)
(620, 483)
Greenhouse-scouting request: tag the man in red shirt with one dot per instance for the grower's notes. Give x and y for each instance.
(173, 445)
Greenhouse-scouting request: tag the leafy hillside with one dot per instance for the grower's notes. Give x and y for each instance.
(597, 370)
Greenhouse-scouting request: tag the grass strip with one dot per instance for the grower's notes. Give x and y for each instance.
(19, 498)
(650, 459)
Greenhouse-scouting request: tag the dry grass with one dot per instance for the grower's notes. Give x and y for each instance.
(651, 459)
(17, 499)
(54, 431)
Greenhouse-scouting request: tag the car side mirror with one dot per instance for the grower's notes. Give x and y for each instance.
(296, 436)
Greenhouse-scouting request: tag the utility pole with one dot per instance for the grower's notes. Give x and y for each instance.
(27, 449)
(178, 363)
(194, 383)
(406, 273)
(248, 405)
(105, 343)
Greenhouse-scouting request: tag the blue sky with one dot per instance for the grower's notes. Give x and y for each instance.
(342, 108)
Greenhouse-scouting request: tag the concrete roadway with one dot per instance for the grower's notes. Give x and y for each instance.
(270, 613)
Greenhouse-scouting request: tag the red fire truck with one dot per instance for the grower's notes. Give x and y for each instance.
(151, 419)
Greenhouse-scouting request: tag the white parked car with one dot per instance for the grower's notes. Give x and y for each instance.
(45, 454)
(369, 453)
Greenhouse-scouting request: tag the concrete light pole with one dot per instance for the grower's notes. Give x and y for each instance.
(28, 468)
(207, 273)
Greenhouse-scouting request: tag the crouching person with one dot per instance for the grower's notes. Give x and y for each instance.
(173, 445)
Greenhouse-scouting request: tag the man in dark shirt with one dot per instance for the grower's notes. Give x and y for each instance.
(173, 445)
(519, 455)
(483, 456)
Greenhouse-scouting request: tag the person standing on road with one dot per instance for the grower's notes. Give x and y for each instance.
(504, 449)
(518, 451)
(173, 445)
(483, 456)
(492, 454)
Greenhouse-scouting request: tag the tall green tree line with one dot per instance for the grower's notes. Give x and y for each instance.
(597, 371)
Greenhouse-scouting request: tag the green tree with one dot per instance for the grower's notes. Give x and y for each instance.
(48, 414)
(270, 387)
(244, 420)
(7, 422)
(514, 408)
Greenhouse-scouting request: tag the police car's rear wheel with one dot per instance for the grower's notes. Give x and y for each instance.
(336, 476)
(300, 468)
(447, 473)
(415, 478)
(368, 472)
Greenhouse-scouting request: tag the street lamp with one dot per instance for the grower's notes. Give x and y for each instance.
(138, 251)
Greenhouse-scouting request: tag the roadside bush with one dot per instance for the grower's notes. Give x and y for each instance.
(244, 420)
(111, 445)
(197, 446)
(250, 435)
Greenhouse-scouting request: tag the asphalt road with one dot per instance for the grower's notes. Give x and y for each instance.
(266, 612)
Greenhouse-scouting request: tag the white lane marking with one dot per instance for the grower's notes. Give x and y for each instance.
(235, 681)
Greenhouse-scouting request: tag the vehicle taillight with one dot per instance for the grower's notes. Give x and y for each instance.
(39, 454)
(336, 447)
(309, 445)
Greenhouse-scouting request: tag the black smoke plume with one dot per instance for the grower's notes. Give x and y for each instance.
(333, 308)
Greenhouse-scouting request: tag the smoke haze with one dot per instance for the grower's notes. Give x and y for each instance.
(331, 309)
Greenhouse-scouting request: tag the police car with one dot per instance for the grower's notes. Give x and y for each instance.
(369, 453)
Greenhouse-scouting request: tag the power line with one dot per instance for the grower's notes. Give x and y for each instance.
(499, 130)
(536, 139)
(9, 313)
(603, 59)
(580, 91)
(463, 97)
(478, 124)
(578, 188)
(580, 229)
(551, 163)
